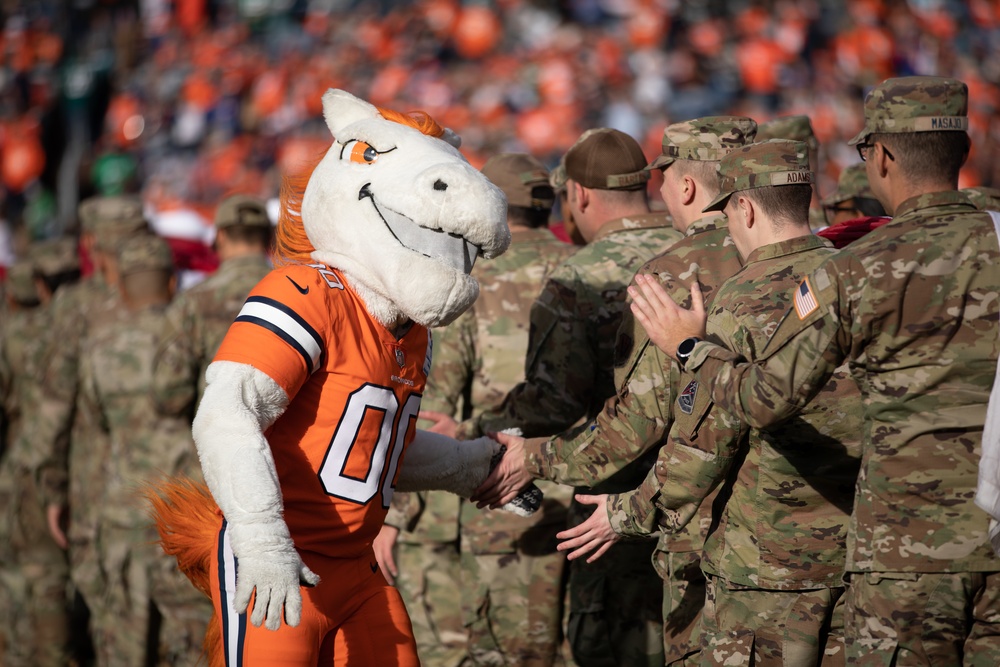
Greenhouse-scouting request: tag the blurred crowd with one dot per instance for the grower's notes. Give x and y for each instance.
(187, 101)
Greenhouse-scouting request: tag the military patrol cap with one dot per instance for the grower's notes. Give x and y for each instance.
(705, 139)
(146, 252)
(20, 282)
(523, 178)
(241, 210)
(853, 182)
(607, 160)
(915, 104)
(96, 211)
(771, 162)
(794, 128)
(55, 256)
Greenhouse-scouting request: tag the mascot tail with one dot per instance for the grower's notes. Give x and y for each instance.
(187, 519)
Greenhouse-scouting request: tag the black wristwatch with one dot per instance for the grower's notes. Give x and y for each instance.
(685, 349)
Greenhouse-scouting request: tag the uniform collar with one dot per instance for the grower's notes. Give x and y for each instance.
(651, 220)
(788, 247)
(929, 199)
(708, 223)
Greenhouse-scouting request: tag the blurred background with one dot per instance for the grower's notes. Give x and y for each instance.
(186, 101)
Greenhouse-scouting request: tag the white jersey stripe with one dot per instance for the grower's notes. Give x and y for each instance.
(286, 326)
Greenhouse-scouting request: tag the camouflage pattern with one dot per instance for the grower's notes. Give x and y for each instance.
(523, 179)
(569, 366)
(932, 614)
(20, 282)
(703, 139)
(240, 209)
(768, 163)
(913, 308)
(853, 182)
(793, 128)
(116, 371)
(770, 628)
(915, 104)
(99, 213)
(478, 359)
(144, 253)
(198, 321)
(984, 198)
(34, 571)
(55, 256)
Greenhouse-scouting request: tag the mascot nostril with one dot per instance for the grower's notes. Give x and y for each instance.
(365, 191)
(440, 185)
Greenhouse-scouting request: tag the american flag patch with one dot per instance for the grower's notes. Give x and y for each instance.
(805, 302)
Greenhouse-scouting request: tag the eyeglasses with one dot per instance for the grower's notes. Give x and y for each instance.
(863, 151)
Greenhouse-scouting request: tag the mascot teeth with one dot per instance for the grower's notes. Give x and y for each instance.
(449, 248)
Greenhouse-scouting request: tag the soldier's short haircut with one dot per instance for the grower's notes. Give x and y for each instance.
(704, 172)
(249, 234)
(926, 155)
(147, 284)
(782, 203)
(622, 197)
(868, 206)
(529, 216)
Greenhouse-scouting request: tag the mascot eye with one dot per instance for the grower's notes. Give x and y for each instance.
(363, 153)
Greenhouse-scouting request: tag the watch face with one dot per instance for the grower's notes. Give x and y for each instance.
(687, 346)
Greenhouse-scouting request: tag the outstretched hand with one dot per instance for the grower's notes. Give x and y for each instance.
(594, 533)
(508, 478)
(443, 424)
(666, 323)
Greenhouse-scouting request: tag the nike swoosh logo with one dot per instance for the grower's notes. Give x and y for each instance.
(302, 290)
(374, 567)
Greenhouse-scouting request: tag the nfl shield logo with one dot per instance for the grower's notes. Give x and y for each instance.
(686, 399)
(400, 359)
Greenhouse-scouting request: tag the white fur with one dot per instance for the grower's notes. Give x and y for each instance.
(437, 462)
(348, 230)
(239, 404)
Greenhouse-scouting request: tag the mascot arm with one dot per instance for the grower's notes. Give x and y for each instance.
(239, 404)
(438, 463)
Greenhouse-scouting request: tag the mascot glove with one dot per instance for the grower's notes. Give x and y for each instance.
(268, 562)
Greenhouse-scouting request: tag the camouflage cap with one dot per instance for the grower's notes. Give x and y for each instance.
(607, 160)
(20, 281)
(916, 104)
(96, 212)
(706, 139)
(985, 198)
(793, 128)
(55, 256)
(771, 162)
(523, 178)
(146, 252)
(241, 210)
(853, 182)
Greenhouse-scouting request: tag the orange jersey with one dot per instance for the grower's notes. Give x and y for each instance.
(354, 396)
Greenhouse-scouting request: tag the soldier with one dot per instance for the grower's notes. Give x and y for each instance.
(35, 571)
(911, 308)
(799, 128)
(569, 372)
(71, 452)
(775, 557)
(510, 569)
(853, 198)
(153, 609)
(201, 315)
(640, 416)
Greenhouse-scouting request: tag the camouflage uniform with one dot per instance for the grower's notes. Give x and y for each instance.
(70, 450)
(798, 128)
(34, 570)
(775, 555)
(640, 416)
(912, 309)
(146, 598)
(984, 198)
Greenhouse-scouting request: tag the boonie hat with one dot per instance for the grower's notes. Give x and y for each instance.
(771, 162)
(915, 104)
(607, 160)
(523, 178)
(241, 210)
(706, 139)
(147, 252)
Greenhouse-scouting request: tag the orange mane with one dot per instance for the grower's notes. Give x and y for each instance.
(291, 245)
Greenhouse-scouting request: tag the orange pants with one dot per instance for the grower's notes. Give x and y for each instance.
(353, 618)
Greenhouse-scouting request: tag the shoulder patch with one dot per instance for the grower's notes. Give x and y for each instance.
(804, 300)
(686, 400)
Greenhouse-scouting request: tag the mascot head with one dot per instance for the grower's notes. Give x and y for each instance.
(398, 210)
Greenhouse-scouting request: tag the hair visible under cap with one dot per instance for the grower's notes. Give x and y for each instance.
(704, 172)
(784, 204)
(926, 156)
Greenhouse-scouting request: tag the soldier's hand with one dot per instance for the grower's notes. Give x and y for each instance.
(443, 424)
(383, 547)
(508, 478)
(55, 516)
(593, 534)
(666, 323)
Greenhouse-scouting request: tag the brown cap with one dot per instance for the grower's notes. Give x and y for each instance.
(607, 160)
(522, 178)
(241, 210)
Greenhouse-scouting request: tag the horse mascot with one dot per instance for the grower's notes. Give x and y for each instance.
(307, 423)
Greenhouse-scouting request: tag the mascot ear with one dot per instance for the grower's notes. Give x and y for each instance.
(340, 109)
